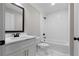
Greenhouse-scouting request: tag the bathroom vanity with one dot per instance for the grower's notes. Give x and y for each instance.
(13, 15)
(19, 46)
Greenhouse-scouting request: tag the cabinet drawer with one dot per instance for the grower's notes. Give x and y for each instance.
(18, 45)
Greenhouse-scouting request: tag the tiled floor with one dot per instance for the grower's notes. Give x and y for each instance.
(53, 50)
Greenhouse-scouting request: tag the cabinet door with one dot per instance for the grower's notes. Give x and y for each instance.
(31, 51)
(19, 53)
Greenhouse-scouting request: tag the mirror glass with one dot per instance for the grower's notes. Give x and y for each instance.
(13, 18)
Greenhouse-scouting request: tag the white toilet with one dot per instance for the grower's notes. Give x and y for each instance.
(43, 45)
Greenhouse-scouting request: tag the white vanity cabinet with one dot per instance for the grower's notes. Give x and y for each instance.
(21, 48)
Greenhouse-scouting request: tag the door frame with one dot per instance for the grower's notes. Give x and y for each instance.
(71, 28)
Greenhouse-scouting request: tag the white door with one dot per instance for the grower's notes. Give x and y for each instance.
(76, 29)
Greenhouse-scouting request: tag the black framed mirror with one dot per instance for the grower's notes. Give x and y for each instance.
(14, 18)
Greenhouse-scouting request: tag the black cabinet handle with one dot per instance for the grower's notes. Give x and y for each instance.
(76, 38)
(2, 42)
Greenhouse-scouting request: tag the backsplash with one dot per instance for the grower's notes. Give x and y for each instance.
(10, 34)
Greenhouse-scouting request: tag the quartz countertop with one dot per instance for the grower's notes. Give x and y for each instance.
(17, 39)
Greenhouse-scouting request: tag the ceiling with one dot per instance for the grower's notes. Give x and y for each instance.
(47, 8)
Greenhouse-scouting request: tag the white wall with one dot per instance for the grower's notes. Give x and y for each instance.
(32, 20)
(2, 30)
(56, 27)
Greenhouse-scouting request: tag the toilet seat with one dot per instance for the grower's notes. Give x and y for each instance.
(43, 45)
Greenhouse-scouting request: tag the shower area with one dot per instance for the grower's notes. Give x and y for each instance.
(54, 30)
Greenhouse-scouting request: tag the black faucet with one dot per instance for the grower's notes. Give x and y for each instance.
(16, 34)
